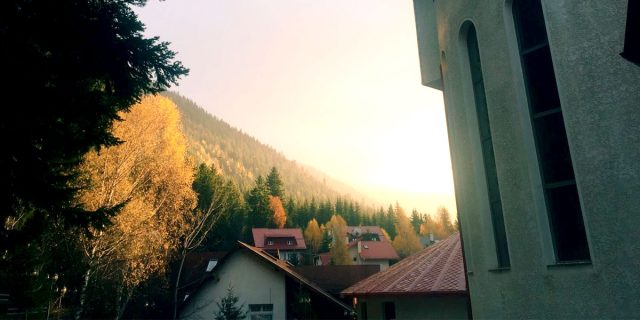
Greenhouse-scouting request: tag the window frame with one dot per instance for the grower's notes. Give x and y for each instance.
(490, 170)
(265, 311)
(560, 223)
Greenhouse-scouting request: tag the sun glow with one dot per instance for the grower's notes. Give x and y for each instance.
(325, 82)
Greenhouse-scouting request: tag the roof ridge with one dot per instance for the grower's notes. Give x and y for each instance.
(434, 269)
(392, 271)
(439, 253)
(451, 253)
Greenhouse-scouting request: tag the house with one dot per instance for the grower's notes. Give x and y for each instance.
(368, 245)
(286, 244)
(267, 287)
(380, 253)
(543, 121)
(427, 285)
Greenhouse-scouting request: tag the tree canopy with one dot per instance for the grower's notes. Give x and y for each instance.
(69, 68)
(150, 173)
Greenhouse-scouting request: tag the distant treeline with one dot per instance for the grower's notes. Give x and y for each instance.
(242, 158)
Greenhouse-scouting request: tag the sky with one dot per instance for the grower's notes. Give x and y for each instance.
(333, 84)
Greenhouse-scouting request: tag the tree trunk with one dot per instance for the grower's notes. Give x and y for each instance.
(175, 290)
(122, 300)
(83, 293)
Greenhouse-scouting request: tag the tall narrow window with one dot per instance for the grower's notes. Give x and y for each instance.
(561, 193)
(632, 33)
(493, 189)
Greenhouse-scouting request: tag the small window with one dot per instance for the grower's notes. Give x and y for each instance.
(261, 311)
(389, 310)
(269, 242)
(211, 264)
(290, 242)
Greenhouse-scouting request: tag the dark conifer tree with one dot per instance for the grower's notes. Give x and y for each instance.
(259, 215)
(69, 67)
(275, 184)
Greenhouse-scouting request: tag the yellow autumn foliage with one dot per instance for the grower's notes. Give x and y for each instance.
(338, 229)
(279, 215)
(313, 235)
(149, 172)
(406, 241)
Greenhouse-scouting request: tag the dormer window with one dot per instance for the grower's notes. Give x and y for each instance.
(290, 242)
(269, 242)
(212, 264)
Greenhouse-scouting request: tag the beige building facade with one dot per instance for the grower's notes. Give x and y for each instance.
(543, 119)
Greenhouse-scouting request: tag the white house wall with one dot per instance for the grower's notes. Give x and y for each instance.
(600, 96)
(254, 281)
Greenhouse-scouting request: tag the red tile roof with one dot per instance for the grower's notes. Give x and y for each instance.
(279, 236)
(437, 269)
(325, 258)
(376, 250)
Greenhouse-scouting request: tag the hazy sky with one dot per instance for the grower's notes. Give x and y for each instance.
(334, 84)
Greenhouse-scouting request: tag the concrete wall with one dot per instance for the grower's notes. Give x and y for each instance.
(357, 260)
(600, 97)
(254, 281)
(418, 308)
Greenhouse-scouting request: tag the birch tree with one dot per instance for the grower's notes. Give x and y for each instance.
(149, 177)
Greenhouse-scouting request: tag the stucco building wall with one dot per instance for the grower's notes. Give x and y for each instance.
(600, 98)
(253, 281)
(357, 260)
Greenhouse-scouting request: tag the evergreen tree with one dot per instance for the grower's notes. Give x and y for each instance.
(275, 184)
(416, 220)
(324, 212)
(258, 205)
(228, 308)
(230, 227)
(325, 245)
(290, 208)
(390, 221)
(69, 68)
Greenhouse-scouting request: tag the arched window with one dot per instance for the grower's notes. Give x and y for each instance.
(554, 157)
(493, 188)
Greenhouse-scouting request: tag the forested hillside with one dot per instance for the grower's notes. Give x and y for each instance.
(241, 158)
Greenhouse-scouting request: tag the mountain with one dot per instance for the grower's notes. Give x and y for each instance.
(242, 158)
